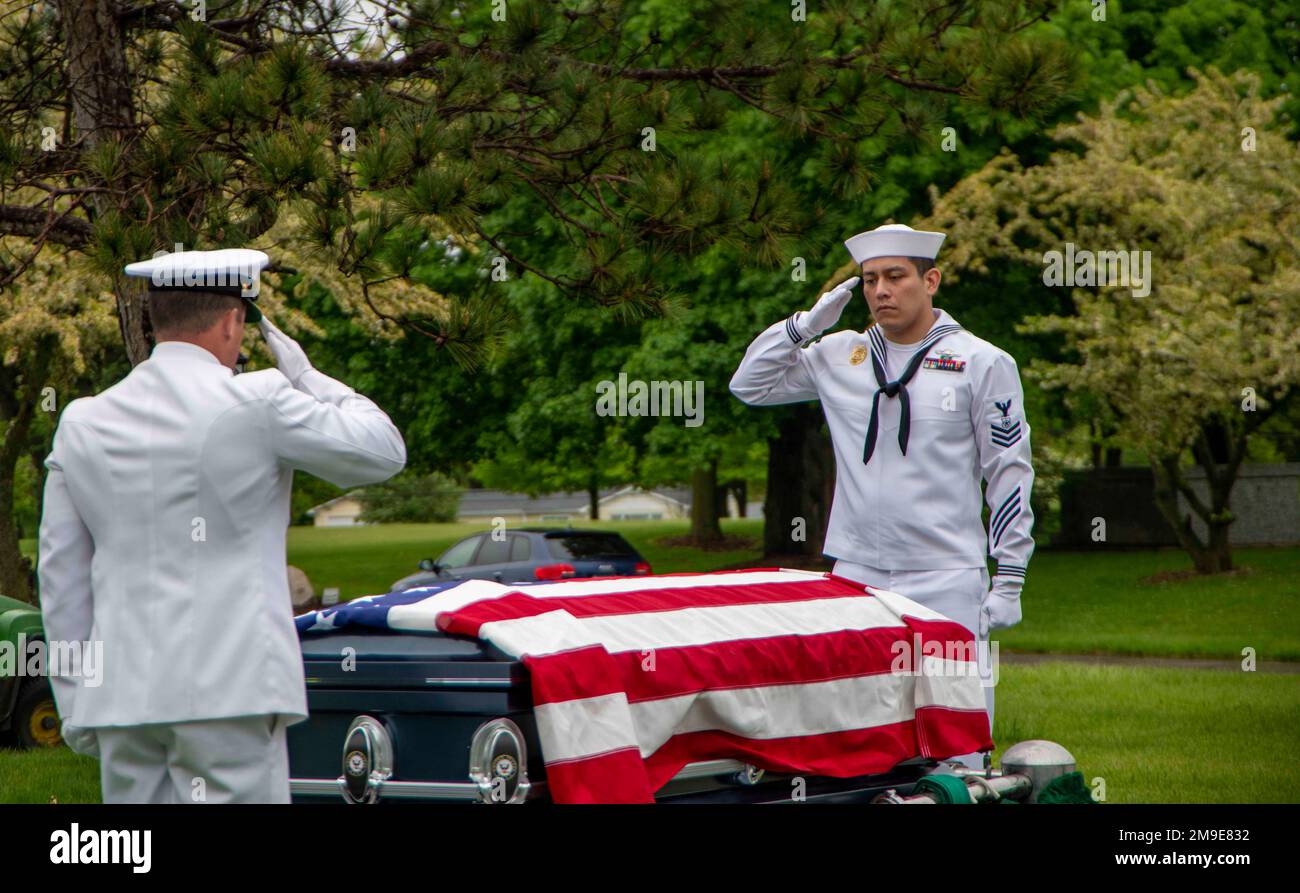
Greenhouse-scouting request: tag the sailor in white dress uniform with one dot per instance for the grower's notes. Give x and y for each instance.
(162, 541)
(920, 411)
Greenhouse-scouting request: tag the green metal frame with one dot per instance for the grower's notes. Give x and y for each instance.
(16, 618)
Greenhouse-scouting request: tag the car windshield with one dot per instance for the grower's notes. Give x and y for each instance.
(590, 545)
(460, 554)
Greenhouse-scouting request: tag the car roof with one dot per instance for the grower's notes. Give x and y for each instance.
(567, 531)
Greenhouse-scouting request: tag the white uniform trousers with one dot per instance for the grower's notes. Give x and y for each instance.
(956, 594)
(241, 759)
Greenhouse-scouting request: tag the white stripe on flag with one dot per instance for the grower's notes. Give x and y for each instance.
(599, 586)
(905, 607)
(423, 615)
(584, 728)
(544, 633)
(588, 726)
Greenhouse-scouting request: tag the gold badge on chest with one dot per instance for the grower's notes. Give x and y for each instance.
(859, 354)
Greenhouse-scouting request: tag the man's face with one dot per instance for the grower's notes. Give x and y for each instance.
(897, 295)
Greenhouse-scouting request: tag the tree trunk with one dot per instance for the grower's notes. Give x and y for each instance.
(800, 485)
(19, 408)
(1214, 555)
(593, 498)
(99, 93)
(15, 568)
(720, 499)
(705, 528)
(740, 490)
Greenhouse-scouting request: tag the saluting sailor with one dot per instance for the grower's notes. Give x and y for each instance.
(920, 411)
(163, 538)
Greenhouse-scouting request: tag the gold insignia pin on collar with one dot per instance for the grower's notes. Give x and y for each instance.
(859, 354)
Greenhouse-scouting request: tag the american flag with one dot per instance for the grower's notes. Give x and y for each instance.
(635, 677)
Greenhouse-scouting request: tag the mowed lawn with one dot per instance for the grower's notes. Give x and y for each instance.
(1152, 736)
(1081, 603)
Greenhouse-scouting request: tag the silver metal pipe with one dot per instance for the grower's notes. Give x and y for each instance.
(469, 791)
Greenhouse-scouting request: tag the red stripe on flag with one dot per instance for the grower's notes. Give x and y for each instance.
(740, 663)
(834, 754)
(516, 605)
(946, 732)
(567, 675)
(615, 777)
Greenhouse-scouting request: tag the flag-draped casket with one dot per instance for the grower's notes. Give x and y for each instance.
(633, 678)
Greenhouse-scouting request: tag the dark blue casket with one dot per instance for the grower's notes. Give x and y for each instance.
(442, 718)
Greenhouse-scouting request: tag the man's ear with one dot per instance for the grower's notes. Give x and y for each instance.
(234, 322)
(932, 279)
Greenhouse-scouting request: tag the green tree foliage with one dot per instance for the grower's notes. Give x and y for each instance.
(134, 126)
(415, 498)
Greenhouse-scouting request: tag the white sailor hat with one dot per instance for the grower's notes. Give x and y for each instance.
(894, 240)
(232, 271)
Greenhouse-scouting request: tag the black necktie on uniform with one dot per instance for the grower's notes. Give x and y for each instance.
(898, 388)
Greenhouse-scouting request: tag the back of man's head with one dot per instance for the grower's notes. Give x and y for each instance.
(181, 315)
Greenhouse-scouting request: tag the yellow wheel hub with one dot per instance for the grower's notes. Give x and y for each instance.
(43, 725)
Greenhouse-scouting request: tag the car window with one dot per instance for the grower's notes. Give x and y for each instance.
(460, 554)
(494, 551)
(521, 548)
(590, 545)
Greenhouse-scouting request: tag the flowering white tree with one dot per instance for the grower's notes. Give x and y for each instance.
(56, 324)
(1210, 186)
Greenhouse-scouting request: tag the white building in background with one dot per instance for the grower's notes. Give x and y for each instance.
(341, 511)
(627, 503)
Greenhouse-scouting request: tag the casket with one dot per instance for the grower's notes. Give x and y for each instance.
(431, 717)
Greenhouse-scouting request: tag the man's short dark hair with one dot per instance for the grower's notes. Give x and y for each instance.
(188, 312)
(923, 264)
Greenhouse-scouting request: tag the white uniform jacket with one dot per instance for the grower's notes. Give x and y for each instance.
(163, 533)
(919, 511)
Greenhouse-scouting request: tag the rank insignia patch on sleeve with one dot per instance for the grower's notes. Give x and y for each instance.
(1006, 430)
(946, 361)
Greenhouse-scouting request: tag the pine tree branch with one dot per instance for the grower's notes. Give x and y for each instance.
(35, 221)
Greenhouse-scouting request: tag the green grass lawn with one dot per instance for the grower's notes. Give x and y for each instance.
(1097, 603)
(1154, 736)
(1160, 735)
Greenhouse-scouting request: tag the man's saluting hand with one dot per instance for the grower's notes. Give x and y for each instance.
(290, 358)
(826, 312)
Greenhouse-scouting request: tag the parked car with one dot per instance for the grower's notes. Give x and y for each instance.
(529, 554)
(28, 717)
